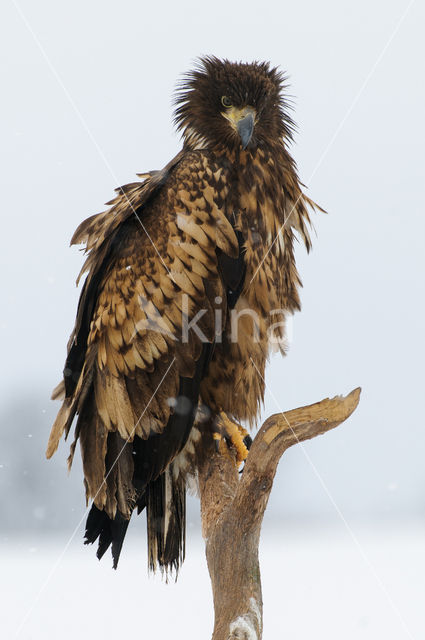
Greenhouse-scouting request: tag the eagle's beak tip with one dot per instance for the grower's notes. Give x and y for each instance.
(245, 128)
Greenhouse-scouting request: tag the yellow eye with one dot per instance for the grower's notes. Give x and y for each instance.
(226, 102)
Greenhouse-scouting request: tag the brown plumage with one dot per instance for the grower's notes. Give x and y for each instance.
(209, 236)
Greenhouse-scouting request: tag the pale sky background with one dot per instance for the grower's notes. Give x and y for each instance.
(86, 103)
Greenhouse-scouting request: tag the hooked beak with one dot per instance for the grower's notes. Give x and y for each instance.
(245, 128)
(242, 120)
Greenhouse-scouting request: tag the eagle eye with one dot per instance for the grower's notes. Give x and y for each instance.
(226, 101)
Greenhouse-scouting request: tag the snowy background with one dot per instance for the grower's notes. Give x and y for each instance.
(86, 102)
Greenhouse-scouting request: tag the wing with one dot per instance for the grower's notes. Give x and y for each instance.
(154, 259)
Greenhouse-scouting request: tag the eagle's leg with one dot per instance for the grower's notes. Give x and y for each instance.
(234, 434)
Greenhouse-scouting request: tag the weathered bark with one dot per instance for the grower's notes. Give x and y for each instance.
(233, 505)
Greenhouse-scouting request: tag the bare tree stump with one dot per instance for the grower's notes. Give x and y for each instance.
(233, 505)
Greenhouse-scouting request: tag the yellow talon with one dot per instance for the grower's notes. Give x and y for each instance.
(220, 445)
(235, 433)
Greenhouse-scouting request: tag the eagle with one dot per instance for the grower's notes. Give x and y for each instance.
(190, 278)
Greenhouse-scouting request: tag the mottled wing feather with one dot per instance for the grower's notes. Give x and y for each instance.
(144, 281)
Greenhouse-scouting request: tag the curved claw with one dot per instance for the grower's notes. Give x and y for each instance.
(235, 436)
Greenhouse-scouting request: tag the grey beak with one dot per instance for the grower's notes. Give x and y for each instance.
(245, 128)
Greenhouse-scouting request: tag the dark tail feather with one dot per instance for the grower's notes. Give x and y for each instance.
(99, 525)
(166, 520)
(165, 501)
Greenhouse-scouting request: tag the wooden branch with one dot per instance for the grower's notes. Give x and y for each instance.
(233, 505)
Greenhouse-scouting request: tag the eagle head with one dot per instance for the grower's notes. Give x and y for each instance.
(232, 104)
